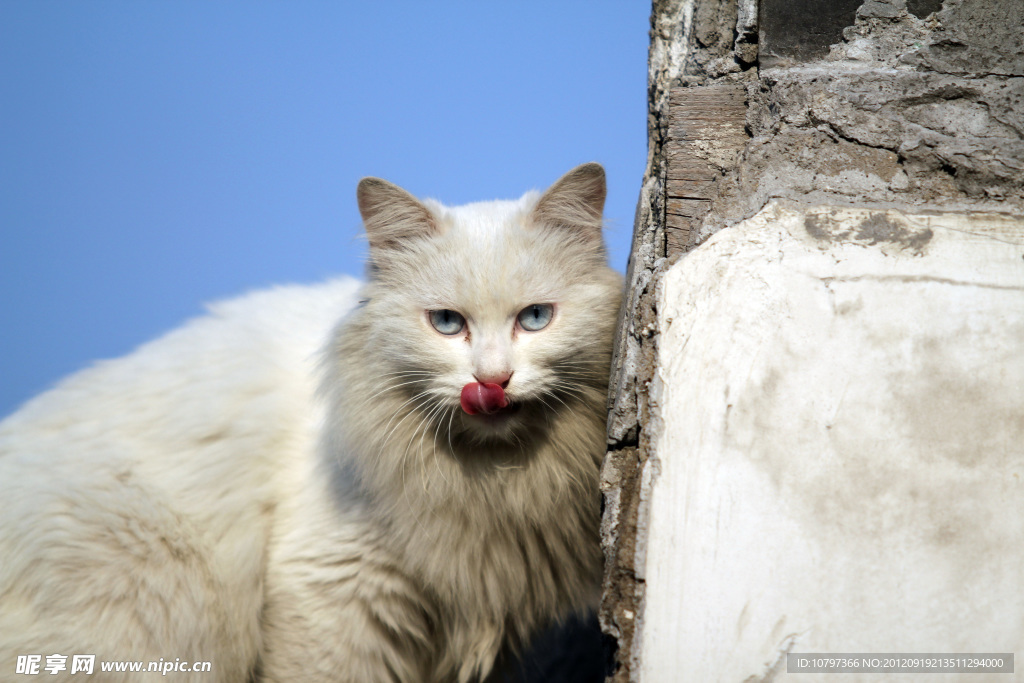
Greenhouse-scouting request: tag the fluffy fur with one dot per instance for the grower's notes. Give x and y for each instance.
(295, 498)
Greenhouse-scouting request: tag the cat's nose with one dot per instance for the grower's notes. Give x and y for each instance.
(500, 378)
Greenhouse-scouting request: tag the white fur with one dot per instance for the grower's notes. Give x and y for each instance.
(296, 499)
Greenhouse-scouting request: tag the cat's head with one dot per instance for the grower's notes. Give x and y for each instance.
(489, 319)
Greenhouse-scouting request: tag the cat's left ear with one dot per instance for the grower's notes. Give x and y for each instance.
(391, 215)
(575, 201)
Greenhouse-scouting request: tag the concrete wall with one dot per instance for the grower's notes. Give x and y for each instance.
(817, 419)
(838, 443)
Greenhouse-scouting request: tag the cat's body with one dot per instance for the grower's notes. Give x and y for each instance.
(291, 498)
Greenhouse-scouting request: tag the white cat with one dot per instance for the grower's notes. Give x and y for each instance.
(392, 497)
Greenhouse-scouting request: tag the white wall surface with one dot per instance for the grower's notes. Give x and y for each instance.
(838, 445)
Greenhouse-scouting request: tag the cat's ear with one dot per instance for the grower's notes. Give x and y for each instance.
(391, 215)
(575, 201)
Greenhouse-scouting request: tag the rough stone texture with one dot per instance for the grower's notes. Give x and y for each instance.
(896, 138)
(837, 444)
(801, 30)
(974, 37)
(904, 111)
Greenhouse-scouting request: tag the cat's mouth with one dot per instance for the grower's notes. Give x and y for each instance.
(500, 415)
(487, 403)
(483, 398)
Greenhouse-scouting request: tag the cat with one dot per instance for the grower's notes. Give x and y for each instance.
(384, 481)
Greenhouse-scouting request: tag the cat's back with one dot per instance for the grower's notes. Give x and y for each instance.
(243, 373)
(152, 479)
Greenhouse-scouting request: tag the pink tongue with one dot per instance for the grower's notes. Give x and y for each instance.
(483, 398)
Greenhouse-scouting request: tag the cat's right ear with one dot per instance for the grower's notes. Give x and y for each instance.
(575, 202)
(391, 215)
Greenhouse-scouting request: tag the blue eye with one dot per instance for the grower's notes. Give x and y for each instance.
(446, 321)
(536, 316)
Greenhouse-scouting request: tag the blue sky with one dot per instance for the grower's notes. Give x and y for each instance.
(158, 155)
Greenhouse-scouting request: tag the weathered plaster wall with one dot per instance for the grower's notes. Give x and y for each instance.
(837, 457)
(916, 105)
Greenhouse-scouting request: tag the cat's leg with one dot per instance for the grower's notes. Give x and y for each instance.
(338, 609)
(470, 650)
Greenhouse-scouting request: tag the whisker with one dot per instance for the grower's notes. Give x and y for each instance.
(555, 396)
(388, 388)
(404, 418)
(436, 463)
(450, 418)
(424, 422)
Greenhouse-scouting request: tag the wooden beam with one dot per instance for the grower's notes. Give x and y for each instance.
(705, 135)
